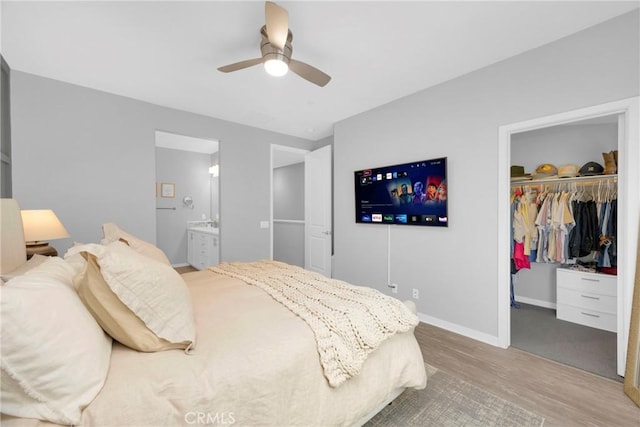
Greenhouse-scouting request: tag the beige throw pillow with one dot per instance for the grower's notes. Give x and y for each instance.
(113, 233)
(141, 303)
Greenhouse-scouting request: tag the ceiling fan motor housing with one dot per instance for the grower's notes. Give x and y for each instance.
(270, 51)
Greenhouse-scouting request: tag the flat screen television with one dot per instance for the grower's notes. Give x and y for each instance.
(412, 193)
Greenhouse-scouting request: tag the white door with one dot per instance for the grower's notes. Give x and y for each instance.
(317, 211)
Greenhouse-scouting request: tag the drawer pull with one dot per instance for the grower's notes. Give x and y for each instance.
(589, 314)
(590, 280)
(590, 297)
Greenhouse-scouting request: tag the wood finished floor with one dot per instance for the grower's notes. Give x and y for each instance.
(563, 395)
(185, 269)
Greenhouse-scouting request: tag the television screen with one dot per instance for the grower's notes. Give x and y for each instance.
(407, 194)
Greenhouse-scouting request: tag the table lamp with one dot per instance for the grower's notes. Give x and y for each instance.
(41, 225)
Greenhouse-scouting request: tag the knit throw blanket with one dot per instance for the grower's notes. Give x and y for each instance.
(348, 321)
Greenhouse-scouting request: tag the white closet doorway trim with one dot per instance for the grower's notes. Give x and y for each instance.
(628, 111)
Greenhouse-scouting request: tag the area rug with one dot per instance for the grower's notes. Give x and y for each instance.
(447, 402)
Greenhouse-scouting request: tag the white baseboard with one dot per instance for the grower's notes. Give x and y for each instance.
(180, 264)
(536, 302)
(461, 330)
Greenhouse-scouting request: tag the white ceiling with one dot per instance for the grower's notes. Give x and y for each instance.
(167, 53)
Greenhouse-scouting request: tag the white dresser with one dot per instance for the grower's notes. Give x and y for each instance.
(202, 247)
(587, 298)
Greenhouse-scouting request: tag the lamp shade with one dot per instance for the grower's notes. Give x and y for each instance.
(42, 225)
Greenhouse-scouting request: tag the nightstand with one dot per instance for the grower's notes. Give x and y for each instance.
(41, 249)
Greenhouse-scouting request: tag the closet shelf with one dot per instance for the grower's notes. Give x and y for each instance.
(581, 179)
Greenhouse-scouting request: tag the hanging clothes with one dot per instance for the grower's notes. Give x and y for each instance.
(524, 236)
(565, 226)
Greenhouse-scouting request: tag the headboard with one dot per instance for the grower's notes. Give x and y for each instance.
(13, 252)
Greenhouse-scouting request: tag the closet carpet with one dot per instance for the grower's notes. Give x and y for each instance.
(536, 330)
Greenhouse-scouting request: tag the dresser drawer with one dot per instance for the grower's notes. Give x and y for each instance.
(601, 284)
(205, 240)
(588, 300)
(202, 249)
(583, 316)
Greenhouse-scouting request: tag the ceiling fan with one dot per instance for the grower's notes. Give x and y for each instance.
(276, 50)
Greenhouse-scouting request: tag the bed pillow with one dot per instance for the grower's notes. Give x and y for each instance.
(140, 302)
(113, 233)
(75, 260)
(55, 357)
(32, 263)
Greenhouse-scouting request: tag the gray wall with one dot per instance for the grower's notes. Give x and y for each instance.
(189, 171)
(6, 188)
(323, 142)
(90, 156)
(558, 145)
(455, 269)
(288, 243)
(288, 192)
(288, 204)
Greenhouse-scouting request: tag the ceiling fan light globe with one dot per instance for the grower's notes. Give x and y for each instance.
(276, 67)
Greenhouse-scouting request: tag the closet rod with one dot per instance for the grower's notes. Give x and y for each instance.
(578, 179)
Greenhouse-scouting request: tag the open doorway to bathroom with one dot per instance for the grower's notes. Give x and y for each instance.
(187, 175)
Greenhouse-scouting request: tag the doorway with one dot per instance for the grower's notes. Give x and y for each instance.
(187, 185)
(626, 112)
(539, 323)
(301, 208)
(287, 204)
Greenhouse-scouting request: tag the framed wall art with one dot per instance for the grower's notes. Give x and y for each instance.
(167, 190)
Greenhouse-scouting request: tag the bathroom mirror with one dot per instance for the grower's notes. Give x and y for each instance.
(632, 371)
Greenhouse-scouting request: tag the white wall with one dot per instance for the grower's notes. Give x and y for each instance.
(455, 269)
(90, 156)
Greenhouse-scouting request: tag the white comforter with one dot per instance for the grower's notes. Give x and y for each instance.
(255, 363)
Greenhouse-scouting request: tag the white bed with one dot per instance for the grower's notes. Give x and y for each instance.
(254, 363)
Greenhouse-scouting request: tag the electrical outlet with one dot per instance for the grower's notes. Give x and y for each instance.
(394, 288)
(416, 293)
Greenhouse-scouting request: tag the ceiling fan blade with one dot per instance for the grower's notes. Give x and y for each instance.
(309, 73)
(277, 24)
(240, 65)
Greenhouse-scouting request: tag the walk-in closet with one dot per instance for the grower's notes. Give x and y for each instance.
(564, 228)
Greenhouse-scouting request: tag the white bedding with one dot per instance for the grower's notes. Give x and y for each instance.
(255, 363)
(349, 322)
